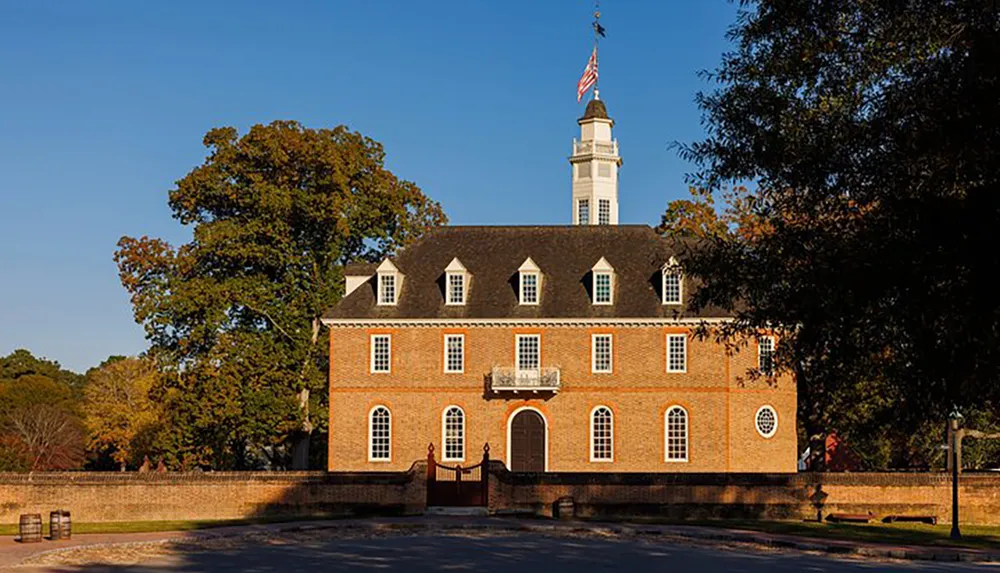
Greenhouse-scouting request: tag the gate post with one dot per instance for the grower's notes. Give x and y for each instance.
(484, 474)
(431, 472)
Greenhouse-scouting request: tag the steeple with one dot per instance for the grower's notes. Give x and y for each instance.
(594, 166)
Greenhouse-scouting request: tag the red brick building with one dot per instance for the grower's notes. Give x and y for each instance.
(565, 348)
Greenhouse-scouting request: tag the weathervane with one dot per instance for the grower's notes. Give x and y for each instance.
(589, 78)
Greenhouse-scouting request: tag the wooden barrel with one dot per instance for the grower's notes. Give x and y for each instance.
(30, 528)
(59, 525)
(565, 508)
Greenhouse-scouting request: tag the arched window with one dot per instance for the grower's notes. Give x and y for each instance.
(602, 435)
(453, 426)
(379, 434)
(676, 434)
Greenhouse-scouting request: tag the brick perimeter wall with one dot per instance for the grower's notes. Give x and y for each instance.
(747, 496)
(96, 497)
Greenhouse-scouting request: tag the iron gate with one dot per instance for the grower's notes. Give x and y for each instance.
(457, 486)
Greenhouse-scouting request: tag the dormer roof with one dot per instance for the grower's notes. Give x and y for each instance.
(495, 255)
(455, 266)
(387, 266)
(602, 265)
(528, 266)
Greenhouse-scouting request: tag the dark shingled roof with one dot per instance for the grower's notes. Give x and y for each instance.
(359, 269)
(595, 108)
(492, 255)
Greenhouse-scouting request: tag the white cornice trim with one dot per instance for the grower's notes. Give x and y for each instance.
(555, 322)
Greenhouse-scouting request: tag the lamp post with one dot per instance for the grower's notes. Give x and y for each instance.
(955, 420)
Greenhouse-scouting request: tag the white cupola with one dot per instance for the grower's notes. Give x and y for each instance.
(595, 162)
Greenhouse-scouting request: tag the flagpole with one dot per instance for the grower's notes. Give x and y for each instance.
(597, 23)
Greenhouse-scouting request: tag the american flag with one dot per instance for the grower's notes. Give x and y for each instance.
(589, 77)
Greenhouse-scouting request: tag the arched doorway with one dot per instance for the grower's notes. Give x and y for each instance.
(527, 442)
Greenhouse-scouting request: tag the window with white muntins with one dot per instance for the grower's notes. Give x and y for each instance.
(387, 289)
(765, 355)
(673, 286)
(456, 283)
(529, 347)
(676, 353)
(529, 282)
(602, 288)
(454, 353)
(676, 430)
(601, 353)
(583, 212)
(602, 436)
(604, 282)
(453, 427)
(603, 211)
(379, 434)
(381, 353)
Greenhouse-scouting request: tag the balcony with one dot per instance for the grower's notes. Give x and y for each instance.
(598, 147)
(510, 379)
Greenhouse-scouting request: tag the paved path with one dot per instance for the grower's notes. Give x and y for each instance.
(431, 544)
(506, 552)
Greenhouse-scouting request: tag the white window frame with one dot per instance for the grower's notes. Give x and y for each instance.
(517, 352)
(593, 353)
(538, 289)
(581, 206)
(770, 341)
(447, 363)
(671, 269)
(593, 435)
(611, 287)
(371, 435)
(666, 435)
(601, 203)
(382, 277)
(448, 300)
(444, 434)
(756, 424)
(683, 337)
(371, 351)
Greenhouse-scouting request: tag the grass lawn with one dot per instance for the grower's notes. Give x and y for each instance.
(975, 536)
(146, 526)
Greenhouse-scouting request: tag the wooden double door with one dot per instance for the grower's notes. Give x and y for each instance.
(527, 442)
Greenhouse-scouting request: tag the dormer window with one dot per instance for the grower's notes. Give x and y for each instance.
(604, 282)
(456, 282)
(389, 282)
(673, 289)
(530, 279)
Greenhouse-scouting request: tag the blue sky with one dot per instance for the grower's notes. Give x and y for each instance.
(103, 105)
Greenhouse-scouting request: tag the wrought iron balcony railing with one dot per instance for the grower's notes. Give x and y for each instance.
(510, 379)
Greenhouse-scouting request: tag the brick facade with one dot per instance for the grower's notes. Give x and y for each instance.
(720, 398)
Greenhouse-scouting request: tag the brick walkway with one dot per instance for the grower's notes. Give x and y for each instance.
(12, 553)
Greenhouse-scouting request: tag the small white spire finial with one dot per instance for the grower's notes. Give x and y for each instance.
(597, 94)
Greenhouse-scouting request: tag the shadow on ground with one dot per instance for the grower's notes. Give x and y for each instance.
(520, 553)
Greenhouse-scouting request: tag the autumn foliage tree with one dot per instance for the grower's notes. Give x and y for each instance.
(121, 415)
(233, 316)
(870, 133)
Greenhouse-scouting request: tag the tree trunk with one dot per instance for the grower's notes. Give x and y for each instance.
(300, 448)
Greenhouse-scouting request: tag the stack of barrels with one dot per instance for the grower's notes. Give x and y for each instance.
(30, 527)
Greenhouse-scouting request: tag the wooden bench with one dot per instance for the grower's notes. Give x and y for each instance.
(928, 519)
(850, 517)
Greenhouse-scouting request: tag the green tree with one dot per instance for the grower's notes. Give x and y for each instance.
(120, 415)
(233, 316)
(871, 132)
(23, 363)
